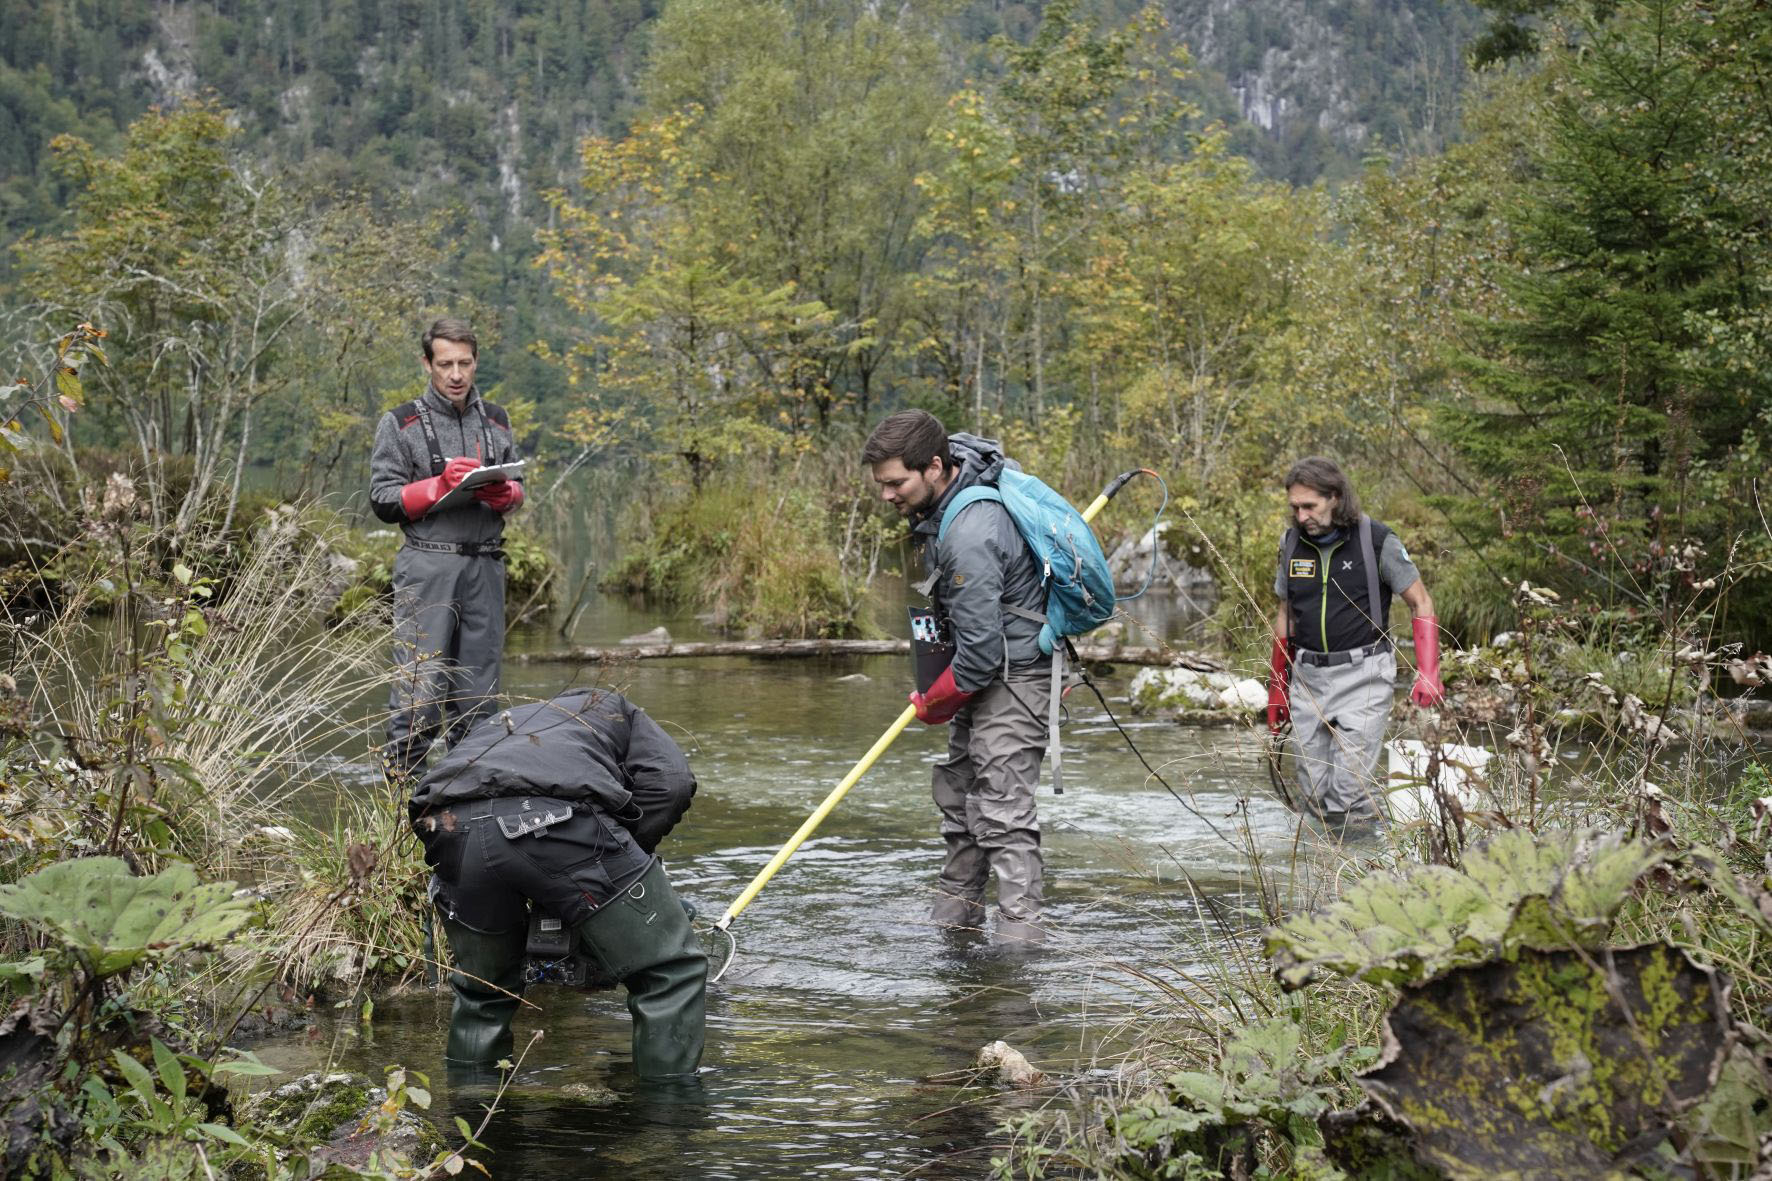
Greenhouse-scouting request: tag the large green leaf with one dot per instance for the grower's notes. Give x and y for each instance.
(1263, 1079)
(1516, 890)
(112, 918)
(1389, 928)
(1556, 1064)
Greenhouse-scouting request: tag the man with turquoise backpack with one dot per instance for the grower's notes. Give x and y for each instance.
(991, 601)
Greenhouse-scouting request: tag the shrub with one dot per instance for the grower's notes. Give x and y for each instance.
(760, 560)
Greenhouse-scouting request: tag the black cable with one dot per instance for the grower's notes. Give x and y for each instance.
(1272, 755)
(1156, 541)
(1133, 747)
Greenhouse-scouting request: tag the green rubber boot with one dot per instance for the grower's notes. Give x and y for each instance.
(643, 938)
(488, 979)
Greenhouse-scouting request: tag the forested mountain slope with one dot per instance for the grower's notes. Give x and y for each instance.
(709, 237)
(493, 95)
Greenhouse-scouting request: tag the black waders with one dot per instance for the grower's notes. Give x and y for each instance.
(488, 979)
(642, 938)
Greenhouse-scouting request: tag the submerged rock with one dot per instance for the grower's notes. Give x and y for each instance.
(657, 635)
(339, 1112)
(590, 1096)
(1009, 1065)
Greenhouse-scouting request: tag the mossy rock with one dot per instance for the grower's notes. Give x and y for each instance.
(589, 1095)
(1194, 697)
(329, 1111)
(310, 1107)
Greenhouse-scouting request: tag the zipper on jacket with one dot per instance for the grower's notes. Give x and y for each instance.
(1323, 605)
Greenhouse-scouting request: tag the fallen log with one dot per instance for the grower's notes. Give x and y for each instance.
(780, 649)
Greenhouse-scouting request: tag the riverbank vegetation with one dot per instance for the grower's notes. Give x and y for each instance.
(173, 869)
(1537, 349)
(1536, 341)
(1556, 962)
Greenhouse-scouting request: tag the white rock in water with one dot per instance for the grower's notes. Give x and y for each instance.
(1246, 694)
(657, 635)
(1155, 689)
(1010, 1065)
(855, 679)
(1408, 796)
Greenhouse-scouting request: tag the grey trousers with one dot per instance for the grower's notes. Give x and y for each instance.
(985, 790)
(1339, 714)
(449, 640)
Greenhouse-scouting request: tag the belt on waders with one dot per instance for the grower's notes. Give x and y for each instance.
(517, 816)
(467, 549)
(1329, 659)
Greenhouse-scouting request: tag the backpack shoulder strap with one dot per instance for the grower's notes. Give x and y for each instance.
(1370, 557)
(967, 496)
(431, 445)
(1288, 543)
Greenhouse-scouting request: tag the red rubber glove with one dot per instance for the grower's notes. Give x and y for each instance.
(1427, 691)
(421, 496)
(943, 700)
(501, 496)
(1279, 685)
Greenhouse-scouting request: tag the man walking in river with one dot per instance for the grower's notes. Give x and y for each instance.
(561, 804)
(1333, 669)
(449, 576)
(986, 588)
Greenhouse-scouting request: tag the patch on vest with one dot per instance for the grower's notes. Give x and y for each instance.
(1304, 568)
(959, 580)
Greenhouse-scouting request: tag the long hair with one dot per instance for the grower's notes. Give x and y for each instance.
(1325, 477)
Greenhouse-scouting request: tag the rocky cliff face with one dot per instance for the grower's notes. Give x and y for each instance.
(1314, 81)
(1361, 73)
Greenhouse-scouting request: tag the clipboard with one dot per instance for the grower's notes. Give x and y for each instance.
(463, 493)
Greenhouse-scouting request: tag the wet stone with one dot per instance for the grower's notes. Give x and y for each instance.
(334, 1110)
(1009, 1065)
(589, 1095)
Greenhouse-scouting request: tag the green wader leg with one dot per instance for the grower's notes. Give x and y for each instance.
(480, 1023)
(643, 938)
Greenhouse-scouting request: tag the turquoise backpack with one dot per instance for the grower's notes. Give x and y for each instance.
(1079, 586)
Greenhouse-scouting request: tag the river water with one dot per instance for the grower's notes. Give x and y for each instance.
(840, 1041)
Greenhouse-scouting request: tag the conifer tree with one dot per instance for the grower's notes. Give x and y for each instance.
(1603, 408)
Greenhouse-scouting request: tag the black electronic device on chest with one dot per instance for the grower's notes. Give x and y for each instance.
(932, 648)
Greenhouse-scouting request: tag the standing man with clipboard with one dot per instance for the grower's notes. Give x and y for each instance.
(449, 577)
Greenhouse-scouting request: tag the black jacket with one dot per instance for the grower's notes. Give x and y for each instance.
(593, 746)
(1328, 591)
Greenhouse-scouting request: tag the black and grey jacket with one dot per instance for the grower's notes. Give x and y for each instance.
(402, 455)
(982, 564)
(593, 746)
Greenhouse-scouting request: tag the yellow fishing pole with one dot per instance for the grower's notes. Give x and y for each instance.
(885, 740)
